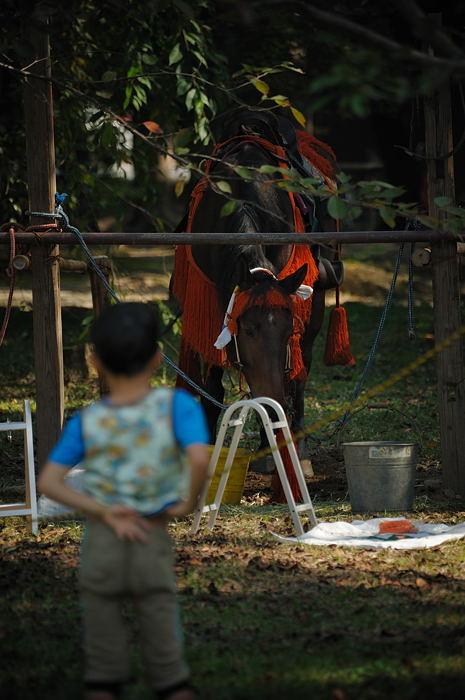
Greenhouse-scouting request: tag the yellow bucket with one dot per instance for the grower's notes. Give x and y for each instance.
(235, 484)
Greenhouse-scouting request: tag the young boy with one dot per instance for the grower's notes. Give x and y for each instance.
(145, 462)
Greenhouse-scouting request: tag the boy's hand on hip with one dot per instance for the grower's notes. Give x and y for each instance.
(126, 523)
(180, 510)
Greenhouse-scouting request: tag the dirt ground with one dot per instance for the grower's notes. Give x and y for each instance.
(329, 482)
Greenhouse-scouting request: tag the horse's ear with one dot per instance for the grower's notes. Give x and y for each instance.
(292, 282)
(243, 277)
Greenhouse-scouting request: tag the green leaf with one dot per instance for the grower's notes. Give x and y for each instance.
(106, 135)
(281, 100)
(108, 76)
(378, 183)
(387, 215)
(175, 55)
(202, 131)
(458, 211)
(359, 105)
(290, 186)
(268, 169)
(179, 187)
(182, 87)
(245, 173)
(199, 107)
(228, 208)
(442, 201)
(200, 58)
(182, 138)
(148, 59)
(290, 66)
(393, 192)
(261, 86)
(143, 80)
(355, 212)
(298, 116)
(189, 100)
(337, 208)
(127, 96)
(344, 178)
(189, 37)
(223, 186)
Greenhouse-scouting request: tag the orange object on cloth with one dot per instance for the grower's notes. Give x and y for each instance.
(396, 527)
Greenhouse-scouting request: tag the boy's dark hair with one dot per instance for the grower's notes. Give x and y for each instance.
(125, 337)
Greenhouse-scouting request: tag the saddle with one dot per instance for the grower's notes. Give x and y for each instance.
(330, 272)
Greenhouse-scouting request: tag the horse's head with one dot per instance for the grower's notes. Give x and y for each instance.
(264, 327)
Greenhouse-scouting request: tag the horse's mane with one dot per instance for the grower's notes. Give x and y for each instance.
(236, 261)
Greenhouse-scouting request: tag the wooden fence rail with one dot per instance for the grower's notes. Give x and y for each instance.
(154, 238)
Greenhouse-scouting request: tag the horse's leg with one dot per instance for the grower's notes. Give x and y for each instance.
(265, 465)
(310, 333)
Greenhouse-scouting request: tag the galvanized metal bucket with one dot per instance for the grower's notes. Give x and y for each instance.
(380, 475)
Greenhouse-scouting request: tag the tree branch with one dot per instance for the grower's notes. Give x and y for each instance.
(425, 27)
(455, 66)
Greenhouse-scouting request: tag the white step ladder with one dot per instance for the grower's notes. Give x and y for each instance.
(234, 417)
(29, 507)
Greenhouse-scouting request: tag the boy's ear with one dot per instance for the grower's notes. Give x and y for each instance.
(96, 363)
(157, 359)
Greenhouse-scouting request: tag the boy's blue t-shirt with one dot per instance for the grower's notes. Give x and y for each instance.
(189, 427)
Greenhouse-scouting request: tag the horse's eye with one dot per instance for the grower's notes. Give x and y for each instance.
(248, 332)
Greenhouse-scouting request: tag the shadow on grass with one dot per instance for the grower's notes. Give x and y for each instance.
(255, 628)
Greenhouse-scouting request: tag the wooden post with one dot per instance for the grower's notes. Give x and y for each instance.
(446, 294)
(100, 298)
(48, 343)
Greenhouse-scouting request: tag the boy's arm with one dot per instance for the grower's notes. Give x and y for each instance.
(124, 520)
(198, 459)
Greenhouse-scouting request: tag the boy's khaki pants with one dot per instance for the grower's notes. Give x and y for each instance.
(112, 572)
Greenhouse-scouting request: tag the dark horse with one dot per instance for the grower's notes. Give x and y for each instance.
(264, 330)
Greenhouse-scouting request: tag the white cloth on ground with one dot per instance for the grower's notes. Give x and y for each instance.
(365, 533)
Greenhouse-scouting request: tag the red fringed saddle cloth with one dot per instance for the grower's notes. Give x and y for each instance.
(196, 293)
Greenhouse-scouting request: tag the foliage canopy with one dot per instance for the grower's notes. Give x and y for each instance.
(135, 80)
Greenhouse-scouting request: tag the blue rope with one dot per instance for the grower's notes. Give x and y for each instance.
(371, 355)
(411, 320)
(60, 214)
(411, 324)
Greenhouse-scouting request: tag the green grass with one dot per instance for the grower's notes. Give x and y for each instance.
(262, 619)
(411, 409)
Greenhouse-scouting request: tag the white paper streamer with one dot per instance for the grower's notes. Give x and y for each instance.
(225, 336)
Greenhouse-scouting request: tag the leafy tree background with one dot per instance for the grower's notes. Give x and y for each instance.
(182, 65)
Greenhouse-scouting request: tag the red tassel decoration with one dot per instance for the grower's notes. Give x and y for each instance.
(337, 350)
(278, 491)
